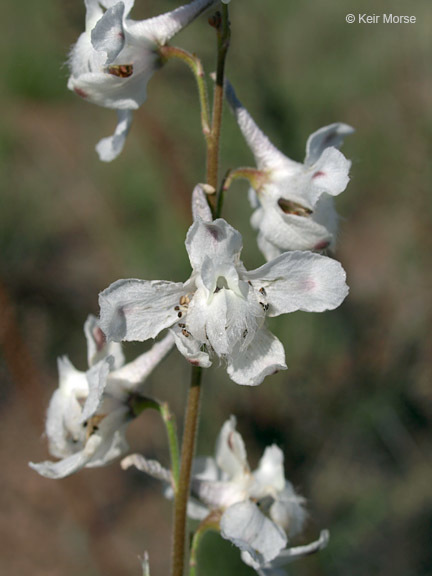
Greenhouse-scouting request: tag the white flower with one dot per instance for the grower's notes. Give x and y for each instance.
(221, 309)
(294, 202)
(88, 413)
(261, 510)
(115, 57)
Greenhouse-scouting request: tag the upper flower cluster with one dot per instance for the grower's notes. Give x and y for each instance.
(221, 309)
(115, 57)
(293, 202)
(88, 413)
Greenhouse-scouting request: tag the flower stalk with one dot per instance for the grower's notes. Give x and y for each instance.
(195, 65)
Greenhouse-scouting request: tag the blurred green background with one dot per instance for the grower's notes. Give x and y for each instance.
(353, 413)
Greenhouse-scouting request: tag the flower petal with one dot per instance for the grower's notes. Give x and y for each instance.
(246, 527)
(264, 356)
(109, 148)
(62, 468)
(108, 35)
(132, 375)
(269, 476)
(290, 554)
(162, 28)
(97, 346)
(287, 510)
(279, 232)
(93, 13)
(191, 348)
(111, 431)
(138, 309)
(266, 155)
(301, 281)
(151, 467)
(217, 494)
(97, 378)
(215, 240)
(200, 206)
(68, 465)
(332, 135)
(329, 174)
(231, 454)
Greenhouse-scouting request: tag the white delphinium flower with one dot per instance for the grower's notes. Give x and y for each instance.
(260, 509)
(221, 309)
(115, 57)
(293, 202)
(88, 413)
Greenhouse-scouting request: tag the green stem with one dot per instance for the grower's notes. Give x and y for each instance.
(195, 65)
(223, 41)
(211, 523)
(171, 428)
(187, 454)
(140, 403)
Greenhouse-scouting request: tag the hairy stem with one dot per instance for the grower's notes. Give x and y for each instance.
(187, 454)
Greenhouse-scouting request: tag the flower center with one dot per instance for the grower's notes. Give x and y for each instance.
(221, 283)
(290, 207)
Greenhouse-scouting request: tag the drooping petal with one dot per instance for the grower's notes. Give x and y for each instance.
(62, 468)
(110, 147)
(200, 206)
(231, 454)
(289, 555)
(162, 28)
(97, 346)
(217, 240)
(138, 309)
(68, 465)
(269, 476)
(301, 281)
(151, 467)
(246, 527)
(132, 375)
(264, 356)
(108, 35)
(267, 156)
(332, 135)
